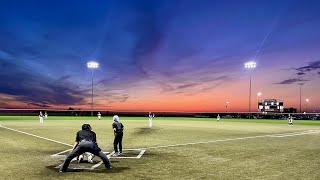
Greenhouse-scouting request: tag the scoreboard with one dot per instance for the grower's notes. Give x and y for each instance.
(270, 105)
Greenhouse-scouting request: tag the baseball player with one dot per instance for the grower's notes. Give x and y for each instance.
(99, 116)
(218, 118)
(151, 116)
(41, 117)
(118, 135)
(290, 120)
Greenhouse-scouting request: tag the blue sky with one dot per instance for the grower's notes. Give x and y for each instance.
(157, 55)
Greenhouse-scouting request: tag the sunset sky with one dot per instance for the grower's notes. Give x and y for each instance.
(158, 55)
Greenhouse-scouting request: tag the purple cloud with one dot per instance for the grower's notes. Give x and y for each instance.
(36, 89)
(291, 81)
(311, 67)
(300, 73)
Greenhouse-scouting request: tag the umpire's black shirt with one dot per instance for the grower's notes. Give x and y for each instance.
(86, 135)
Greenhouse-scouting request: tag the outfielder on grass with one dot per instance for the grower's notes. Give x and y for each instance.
(41, 117)
(218, 118)
(290, 120)
(85, 142)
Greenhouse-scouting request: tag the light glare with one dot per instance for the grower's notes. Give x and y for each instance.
(92, 65)
(250, 65)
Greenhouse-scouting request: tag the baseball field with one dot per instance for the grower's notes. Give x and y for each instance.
(174, 148)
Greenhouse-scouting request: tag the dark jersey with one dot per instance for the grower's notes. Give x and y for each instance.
(118, 126)
(86, 135)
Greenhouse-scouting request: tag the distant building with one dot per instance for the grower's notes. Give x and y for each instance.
(270, 105)
(290, 110)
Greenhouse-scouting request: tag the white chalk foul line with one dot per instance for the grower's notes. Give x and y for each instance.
(241, 138)
(36, 136)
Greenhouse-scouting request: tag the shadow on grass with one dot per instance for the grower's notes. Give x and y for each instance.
(146, 130)
(100, 170)
(113, 170)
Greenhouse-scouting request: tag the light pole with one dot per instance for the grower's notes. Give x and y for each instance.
(300, 84)
(259, 94)
(92, 65)
(227, 106)
(250, 65)
(307, 101)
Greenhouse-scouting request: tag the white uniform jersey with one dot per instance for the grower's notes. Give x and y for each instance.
(41, 118)
(151, 116)
(290, 120)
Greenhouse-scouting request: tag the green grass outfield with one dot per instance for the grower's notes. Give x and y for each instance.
(176, 148)
(272, 121)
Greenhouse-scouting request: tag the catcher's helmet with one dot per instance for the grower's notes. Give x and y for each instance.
(86, 127)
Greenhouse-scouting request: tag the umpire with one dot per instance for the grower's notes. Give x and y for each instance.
(85, 142)
(118, 135)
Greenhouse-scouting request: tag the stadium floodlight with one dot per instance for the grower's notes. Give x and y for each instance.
(259, 94)
(300, 84)
(92, 65)
(250, 65)
(227, 103)
(307, 101)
